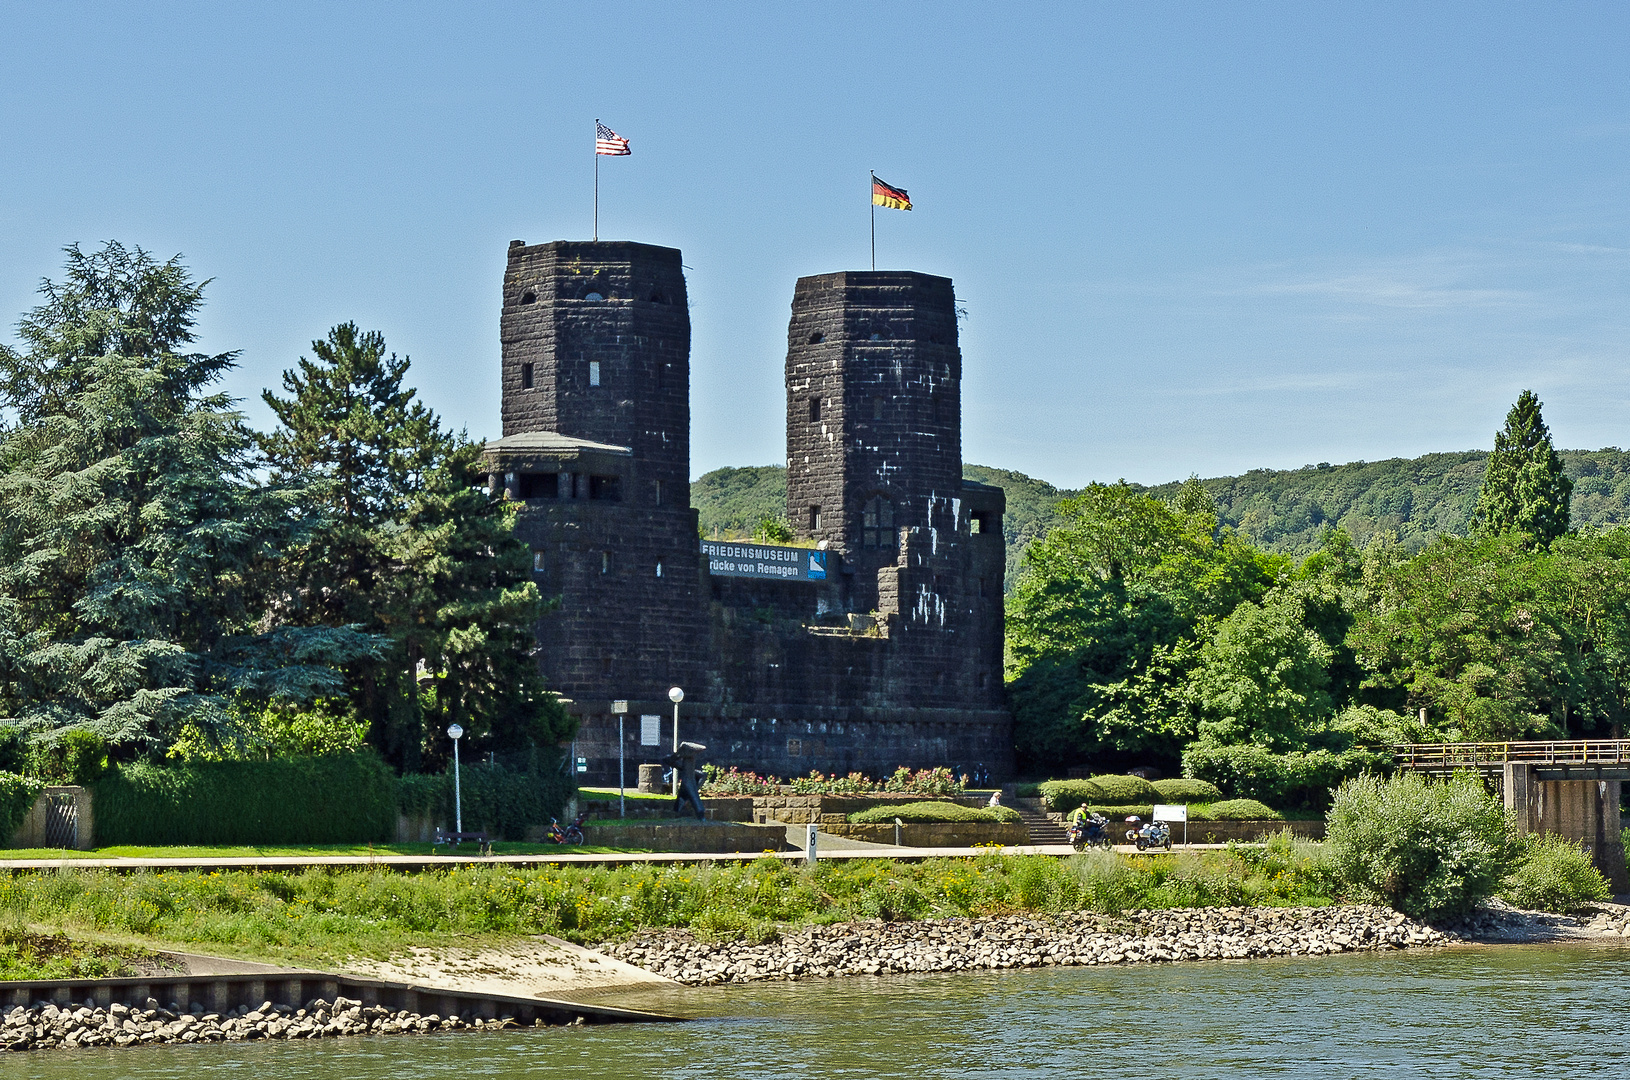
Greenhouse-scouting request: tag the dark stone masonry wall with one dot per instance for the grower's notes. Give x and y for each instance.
(894, 660)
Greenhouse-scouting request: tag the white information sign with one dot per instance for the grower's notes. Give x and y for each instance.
(650, 730)
(1171, 813)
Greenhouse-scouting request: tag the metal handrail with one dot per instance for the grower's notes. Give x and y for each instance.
(1471, 755)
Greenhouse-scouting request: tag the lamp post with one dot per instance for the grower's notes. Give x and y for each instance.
(676, 695)
(455, 733)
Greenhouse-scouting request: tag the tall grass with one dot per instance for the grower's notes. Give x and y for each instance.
(318, 915)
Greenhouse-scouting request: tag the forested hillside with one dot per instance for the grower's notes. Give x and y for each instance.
(1282, 510)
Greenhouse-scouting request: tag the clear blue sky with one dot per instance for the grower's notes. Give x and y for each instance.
(1191, 237)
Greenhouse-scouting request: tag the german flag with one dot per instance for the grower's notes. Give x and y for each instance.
(888, 195)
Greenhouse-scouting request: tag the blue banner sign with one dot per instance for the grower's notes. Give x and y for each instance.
(764, 561)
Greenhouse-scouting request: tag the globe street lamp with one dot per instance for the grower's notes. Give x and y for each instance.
(455, 733)
(676, 695)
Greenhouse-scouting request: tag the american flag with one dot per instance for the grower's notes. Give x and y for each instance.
(607, 141)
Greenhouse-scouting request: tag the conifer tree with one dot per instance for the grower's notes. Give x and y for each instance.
(414, 549)
(135, 544)
(356, 435)
(1524, 488)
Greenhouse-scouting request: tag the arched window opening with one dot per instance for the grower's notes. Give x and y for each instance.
(593, 296)
(877, 524)
(529, 298)
(875, 337)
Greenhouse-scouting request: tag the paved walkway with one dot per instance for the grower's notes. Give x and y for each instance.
(432, 862)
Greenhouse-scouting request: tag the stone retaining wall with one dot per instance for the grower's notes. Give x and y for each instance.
(937, 833)
(827, 810)
(689, 836)
(1220, 832)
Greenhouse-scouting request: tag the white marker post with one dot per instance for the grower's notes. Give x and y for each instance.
(621, 709)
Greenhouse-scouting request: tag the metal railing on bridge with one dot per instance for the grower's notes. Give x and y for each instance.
(1491, 757)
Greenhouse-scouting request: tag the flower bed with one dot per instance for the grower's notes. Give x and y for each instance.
(903, 781)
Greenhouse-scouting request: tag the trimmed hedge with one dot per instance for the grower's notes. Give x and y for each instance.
(1234, 810)
(1120, 790)
(1065, 795)
(334, 799)
(17, 795)
(922, 813)
(498, 801)
(1289, 780)
(1179, 790)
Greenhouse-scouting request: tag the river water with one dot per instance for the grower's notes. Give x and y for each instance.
(1510, 1011)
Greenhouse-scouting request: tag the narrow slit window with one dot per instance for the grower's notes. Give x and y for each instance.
(605, 562)
(537, 562)
(657, 500)
(526, 376)
(659, 568)
(814, 410)
(814, 518)
(594, 373)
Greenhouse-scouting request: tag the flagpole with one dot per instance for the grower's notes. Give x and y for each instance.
(597, 179)
(873, 202)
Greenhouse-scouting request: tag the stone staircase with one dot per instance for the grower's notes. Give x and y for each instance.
(1043, 828)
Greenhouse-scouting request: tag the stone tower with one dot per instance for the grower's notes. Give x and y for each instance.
(874, 418)
(596, 418)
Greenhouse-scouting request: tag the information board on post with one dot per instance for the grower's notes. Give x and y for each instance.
(772, 562)
(1168, 812)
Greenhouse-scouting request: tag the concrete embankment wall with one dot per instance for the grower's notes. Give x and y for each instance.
(219, 993)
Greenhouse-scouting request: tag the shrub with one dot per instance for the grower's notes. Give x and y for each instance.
(734, 782)
(13, 749)
(1177, 790)
(1428, 849)
(925, 782)
(17, 795)
(335, 799)
(919, 813)
(1553, 874)
(1065, 795)
(1234, 810)
(77, 757)
(902, 781)
(1121, 790)
(1286, 780)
